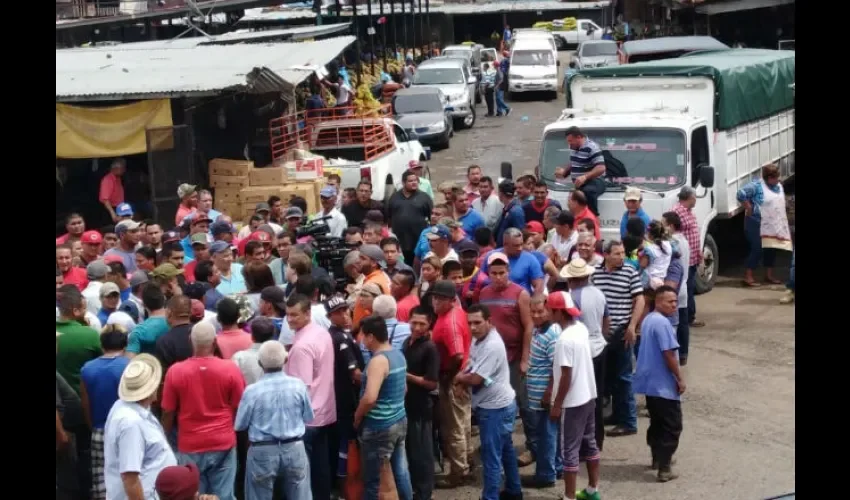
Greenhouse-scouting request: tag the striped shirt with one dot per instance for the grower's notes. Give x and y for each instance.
(276, 407)
(690, 229)
(540, 362)
(585, 158)
(620, 288)
(389, 408)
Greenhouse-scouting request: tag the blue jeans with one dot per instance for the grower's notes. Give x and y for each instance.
(316, 445)
(790, 283)
(497, 451)
(767, 256)
(218, 471)
(549, 461)
(692, 293)
(501, 107)
(518, 383)
(376, 446)
(625, 406)
(268, 462)
(683, 332)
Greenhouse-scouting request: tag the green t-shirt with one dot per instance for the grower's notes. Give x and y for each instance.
(425, 187)
(143, 338)
(77, 345)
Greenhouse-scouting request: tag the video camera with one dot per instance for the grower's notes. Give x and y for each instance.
(330, 251)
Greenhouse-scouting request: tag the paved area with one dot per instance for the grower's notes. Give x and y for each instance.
(738, 440)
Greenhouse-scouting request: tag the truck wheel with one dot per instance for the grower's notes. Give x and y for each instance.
(707, 271)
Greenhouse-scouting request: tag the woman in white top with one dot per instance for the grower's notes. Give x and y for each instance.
(657, 252)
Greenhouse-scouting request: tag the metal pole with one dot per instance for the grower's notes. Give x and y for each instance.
(383, 34)
(403, 31)
(395, 33)
(428, 21)
(354, 20)
(371, 37)
(421, 29)
(413, 25)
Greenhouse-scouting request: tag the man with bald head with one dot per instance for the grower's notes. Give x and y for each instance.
(202, 393)
(175, 345)
(277, 444)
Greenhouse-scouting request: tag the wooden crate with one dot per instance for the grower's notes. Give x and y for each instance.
(228, 195)
(233, 209)
(268, 176)
(225, 167)
(228, 181)
(252, 195)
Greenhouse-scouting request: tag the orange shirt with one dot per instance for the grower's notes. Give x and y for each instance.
(111, 190)
(182, 212)
(378, 277)
(587, 214)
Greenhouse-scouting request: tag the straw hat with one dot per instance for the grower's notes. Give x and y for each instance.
(577, 268)
(140, 379)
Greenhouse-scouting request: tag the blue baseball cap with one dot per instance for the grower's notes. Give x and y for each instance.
(438, 232)
(124, 210)
(327, 192)
(221, 227)
(219, 246)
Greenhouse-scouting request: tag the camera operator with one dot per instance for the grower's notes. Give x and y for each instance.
(333, 217)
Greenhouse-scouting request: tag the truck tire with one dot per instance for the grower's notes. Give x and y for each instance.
(707, 271)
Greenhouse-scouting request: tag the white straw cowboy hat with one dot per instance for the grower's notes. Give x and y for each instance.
(577, 268)
(140, 378)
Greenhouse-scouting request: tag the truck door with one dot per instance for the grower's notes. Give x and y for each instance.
(699, 156)
(170, 163)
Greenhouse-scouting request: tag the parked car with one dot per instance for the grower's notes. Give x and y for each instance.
(423, 113)
(596, 53)
(454, 78)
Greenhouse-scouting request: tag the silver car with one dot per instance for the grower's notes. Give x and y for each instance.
(596, 53)
(454, 78)
(421, 111)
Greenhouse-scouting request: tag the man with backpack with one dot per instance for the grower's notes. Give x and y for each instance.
(587, 166)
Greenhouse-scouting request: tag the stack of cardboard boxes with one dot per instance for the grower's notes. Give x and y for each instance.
(239, 186)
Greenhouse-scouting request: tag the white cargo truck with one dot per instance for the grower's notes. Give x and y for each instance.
(709, 121)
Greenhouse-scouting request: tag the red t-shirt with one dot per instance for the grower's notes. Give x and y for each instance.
(205, 392)
(189, 271)
(452, 337)
(404, 307)
(76, 276)
(232, 341)
(587, 214)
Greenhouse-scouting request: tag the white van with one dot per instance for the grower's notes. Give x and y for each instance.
(534, 33)
(533, 66)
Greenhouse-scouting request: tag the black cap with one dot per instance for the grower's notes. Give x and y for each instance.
(274, 295)
(336, 303)
(467, 246)
(507, 187)
(444, 288)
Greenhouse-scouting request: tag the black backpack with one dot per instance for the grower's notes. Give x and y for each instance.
(613, 166)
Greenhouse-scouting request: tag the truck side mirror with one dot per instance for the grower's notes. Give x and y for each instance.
(706, 175)
(506, 170)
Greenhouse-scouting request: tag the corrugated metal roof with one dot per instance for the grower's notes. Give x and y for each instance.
(240, 36)
(104, 73)
(285, 14)
(711, 9)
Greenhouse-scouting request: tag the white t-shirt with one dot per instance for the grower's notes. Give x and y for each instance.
(573, 349)
(564, 246)
(659, 259)
(684, 259)
(336, 224)
(452, 255)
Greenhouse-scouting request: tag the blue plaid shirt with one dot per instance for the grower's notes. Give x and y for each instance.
(276, 407)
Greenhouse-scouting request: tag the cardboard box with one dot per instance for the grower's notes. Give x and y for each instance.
(228, 181)
(268, 176)
(228, 195)
(309, 169)
(232, 209)
(256, 194)
(224, 167)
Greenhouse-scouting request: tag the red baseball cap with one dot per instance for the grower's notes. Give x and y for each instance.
(92, 237)
(260, 236)
(562, 301)
(178, 482)
(109, 259)
(535, 227)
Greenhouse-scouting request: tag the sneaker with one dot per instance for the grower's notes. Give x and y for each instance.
(665, 475)
(508, 111)
(787, 298)
(584, 495)
(619, 431)
(655, 465)
(525, 459)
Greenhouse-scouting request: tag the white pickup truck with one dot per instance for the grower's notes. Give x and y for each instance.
(378, 149)
(585, 30)
(709, 121)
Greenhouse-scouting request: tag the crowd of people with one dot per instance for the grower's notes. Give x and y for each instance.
(206, 360)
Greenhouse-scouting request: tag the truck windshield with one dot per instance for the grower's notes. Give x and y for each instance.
(654, 159)
(532, 58)
(599, 49)
(438, 76)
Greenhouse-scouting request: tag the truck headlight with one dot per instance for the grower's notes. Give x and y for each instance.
(437, 126)
(458, 97)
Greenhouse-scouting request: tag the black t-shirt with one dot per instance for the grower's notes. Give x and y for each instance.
(174, 346)
(347, 358)
(423, 360)
(355, 213)
(409, 217)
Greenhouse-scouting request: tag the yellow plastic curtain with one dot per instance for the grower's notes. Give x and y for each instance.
(86, 132)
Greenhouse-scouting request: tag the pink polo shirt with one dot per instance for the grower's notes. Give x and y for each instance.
(111, 190)
(311, 359)
(232, 341)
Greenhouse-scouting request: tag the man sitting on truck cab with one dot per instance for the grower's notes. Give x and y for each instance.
(587, 166)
